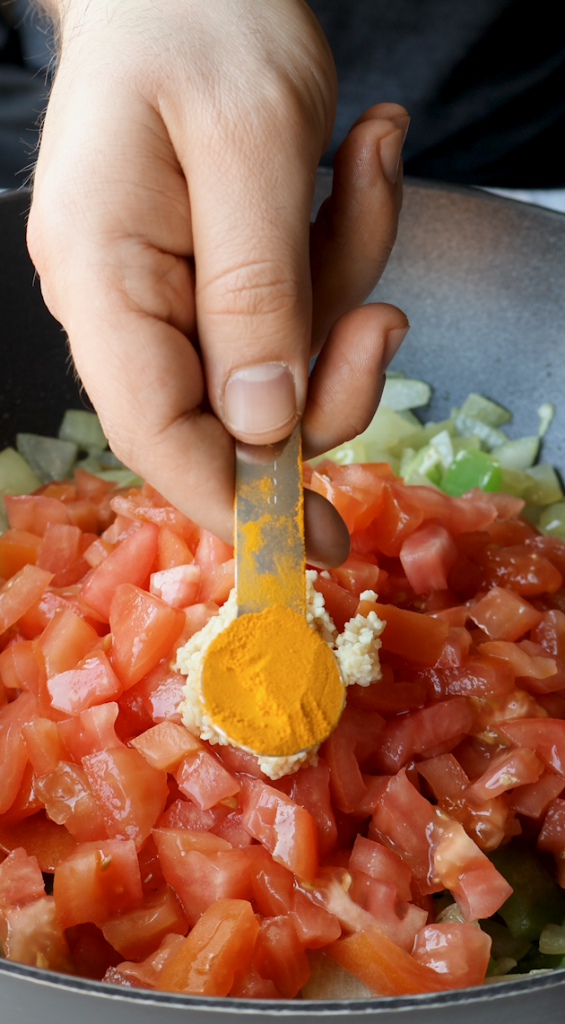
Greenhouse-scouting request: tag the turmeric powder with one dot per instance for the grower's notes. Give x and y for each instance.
(271, 684)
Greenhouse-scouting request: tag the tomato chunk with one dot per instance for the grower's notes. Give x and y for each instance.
(93, 681)
(286, 830)
(130, 562)
(221, 943)
(144, 630)
(130, 792)
(97, 880)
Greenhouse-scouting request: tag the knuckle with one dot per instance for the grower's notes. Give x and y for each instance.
(252, 289)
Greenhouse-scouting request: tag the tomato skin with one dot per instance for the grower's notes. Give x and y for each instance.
(144, 630)
(130, 562)
(515, 768)
(138, 933)
(221, 943)
(340, 604)
(97, 880)
(419, 638)
(130, 792)
(286, 830)
(385, 968)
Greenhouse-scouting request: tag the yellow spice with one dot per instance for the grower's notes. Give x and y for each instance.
(271, 684)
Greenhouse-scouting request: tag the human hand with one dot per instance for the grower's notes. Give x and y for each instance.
(170, 229)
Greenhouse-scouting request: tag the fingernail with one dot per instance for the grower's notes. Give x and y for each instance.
(260, 399)
(401, 121)
(393, 342)
(390, 149)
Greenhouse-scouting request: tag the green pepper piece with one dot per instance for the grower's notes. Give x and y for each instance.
(504, 944)
(536, 961)
(537, 899)
(472, 468)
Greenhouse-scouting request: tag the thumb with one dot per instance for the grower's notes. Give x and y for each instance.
(253, 290)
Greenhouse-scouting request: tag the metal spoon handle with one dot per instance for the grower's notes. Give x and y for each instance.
(269, 526)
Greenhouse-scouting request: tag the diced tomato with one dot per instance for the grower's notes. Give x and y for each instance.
(418, 638)
(90, 486)
(84, 514)
(551, 633)
(352, 742)
(504, 615)
(383, 967)
(13, 753)
(197, 615)
(221, 943)
(22, 667)
(133, 717)
(280, 957)
(272, 885)
(340, 604)
(507, 770)
(238, 760)
(97, 552)
(357, 575)
(154, 509)
(248, 984)
(387, 696)
(90, 955)
(60, 548)
(458, 951)
(185, 814)
(520, 569)
(21, 880)
(179, 586)
(203, 778)
(34, 935)
(397, 920)
(69, 801)
(355, 511)
(427, 556)
(552, 835)
(379, 862)
(20, 593)
(202, 868)
(161, 691)
(533, 800)
(18, 548)
(138, 933)
(129, 563)
(44, 745)
(66, 641)
(90, 731)
(545, 736)
(40, 837)
(314, 926)
(286, 830)
(144, 629)
(172, 550)
(93, 681)
(97, 880)
(166, 744)
(442, 725)
(130, 792)
(34, 512)
(310, 788)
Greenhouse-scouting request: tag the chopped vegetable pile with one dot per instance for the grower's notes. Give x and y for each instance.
(424, 850)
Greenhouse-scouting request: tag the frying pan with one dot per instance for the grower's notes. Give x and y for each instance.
(482, 281)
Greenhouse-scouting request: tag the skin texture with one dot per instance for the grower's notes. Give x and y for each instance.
(170, 229)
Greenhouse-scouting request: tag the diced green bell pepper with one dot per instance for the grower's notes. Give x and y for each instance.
(537, 899)
(471, 468)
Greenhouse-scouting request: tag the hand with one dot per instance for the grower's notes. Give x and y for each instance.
(170, 229)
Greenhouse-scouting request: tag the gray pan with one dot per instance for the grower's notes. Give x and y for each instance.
(482, 281)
